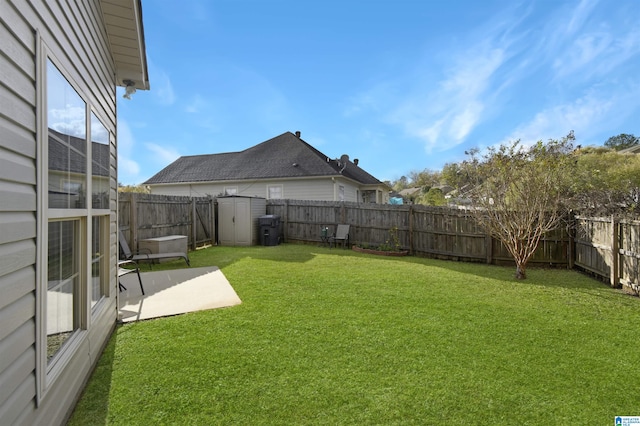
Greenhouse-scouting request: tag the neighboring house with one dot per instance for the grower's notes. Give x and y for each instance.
(60, 63)
(282, 167)
(409, 195)
(67, 172)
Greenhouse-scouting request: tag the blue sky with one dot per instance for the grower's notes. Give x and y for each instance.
(402, 85)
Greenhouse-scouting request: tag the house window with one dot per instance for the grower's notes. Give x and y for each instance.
(275, 192)
(76, 217)
(100, 173)
(341, 193)
(67, 209)
(100, 155)
(63, 283)
(67, 124)
(231, 191)
(99, 259)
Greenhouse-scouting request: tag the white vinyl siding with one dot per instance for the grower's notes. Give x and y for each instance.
(74, 34)
(17, 216)
(317, 189)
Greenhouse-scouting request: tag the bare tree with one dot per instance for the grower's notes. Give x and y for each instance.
(518, 193)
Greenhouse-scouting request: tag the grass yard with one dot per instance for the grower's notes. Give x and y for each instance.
(337, 337)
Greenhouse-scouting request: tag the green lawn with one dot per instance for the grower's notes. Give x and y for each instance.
(337, 337)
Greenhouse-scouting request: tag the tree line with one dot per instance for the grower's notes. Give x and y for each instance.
(519, 193)
(600, 180)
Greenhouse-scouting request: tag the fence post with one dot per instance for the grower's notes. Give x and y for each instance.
(212, 220)
(411, 228)
(285, 220)
(488, 243)
(571, 230)
(133, 221)
(615, 255)
(194, 224)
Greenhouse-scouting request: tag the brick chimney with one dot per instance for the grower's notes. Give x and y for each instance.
(356, 161)
(298, 134)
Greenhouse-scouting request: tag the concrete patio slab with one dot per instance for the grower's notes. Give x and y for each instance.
(174, 292)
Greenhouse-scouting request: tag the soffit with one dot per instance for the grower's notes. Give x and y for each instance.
(123, 19)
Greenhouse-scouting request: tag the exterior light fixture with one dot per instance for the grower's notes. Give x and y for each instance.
(130, 88)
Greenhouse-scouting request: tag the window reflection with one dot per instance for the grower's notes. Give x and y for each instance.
(67, 177)
(63, 284)
(98, 259)
(99, 164)
(66, 118)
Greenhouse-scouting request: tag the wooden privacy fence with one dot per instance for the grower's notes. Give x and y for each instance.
(610, 249)
(440, 232)
(148, 215)
(605, 247)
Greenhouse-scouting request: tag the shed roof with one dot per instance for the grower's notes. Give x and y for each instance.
(284, 156)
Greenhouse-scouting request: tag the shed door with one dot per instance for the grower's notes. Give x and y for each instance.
(226, 226)
(243, 222)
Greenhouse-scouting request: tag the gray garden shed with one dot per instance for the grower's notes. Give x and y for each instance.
(238, 219)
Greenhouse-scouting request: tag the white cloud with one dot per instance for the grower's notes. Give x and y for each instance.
(128, 171)
(128, 168)
(163, 155)
(595, 88)
(162, 88)
(448, 114)
(579, 16)
(586, 114)
(373, 99)
(585, 50)
(196, 104)
(70, 120)
(594, 43)
(445, 104)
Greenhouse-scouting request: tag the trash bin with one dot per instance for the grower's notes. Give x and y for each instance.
(269, 229)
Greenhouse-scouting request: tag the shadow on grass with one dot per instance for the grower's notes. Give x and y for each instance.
(93, 406)
(550, 277)
(223, 256)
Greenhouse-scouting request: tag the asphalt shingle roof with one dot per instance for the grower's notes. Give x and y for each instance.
(68, 154)
(284, 156)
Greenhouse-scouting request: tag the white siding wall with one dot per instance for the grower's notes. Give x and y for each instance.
(318, 189)
(74, 33)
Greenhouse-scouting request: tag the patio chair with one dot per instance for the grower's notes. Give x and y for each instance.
(124, 271)
(341, 234)
(324, 236)
(146, 254)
